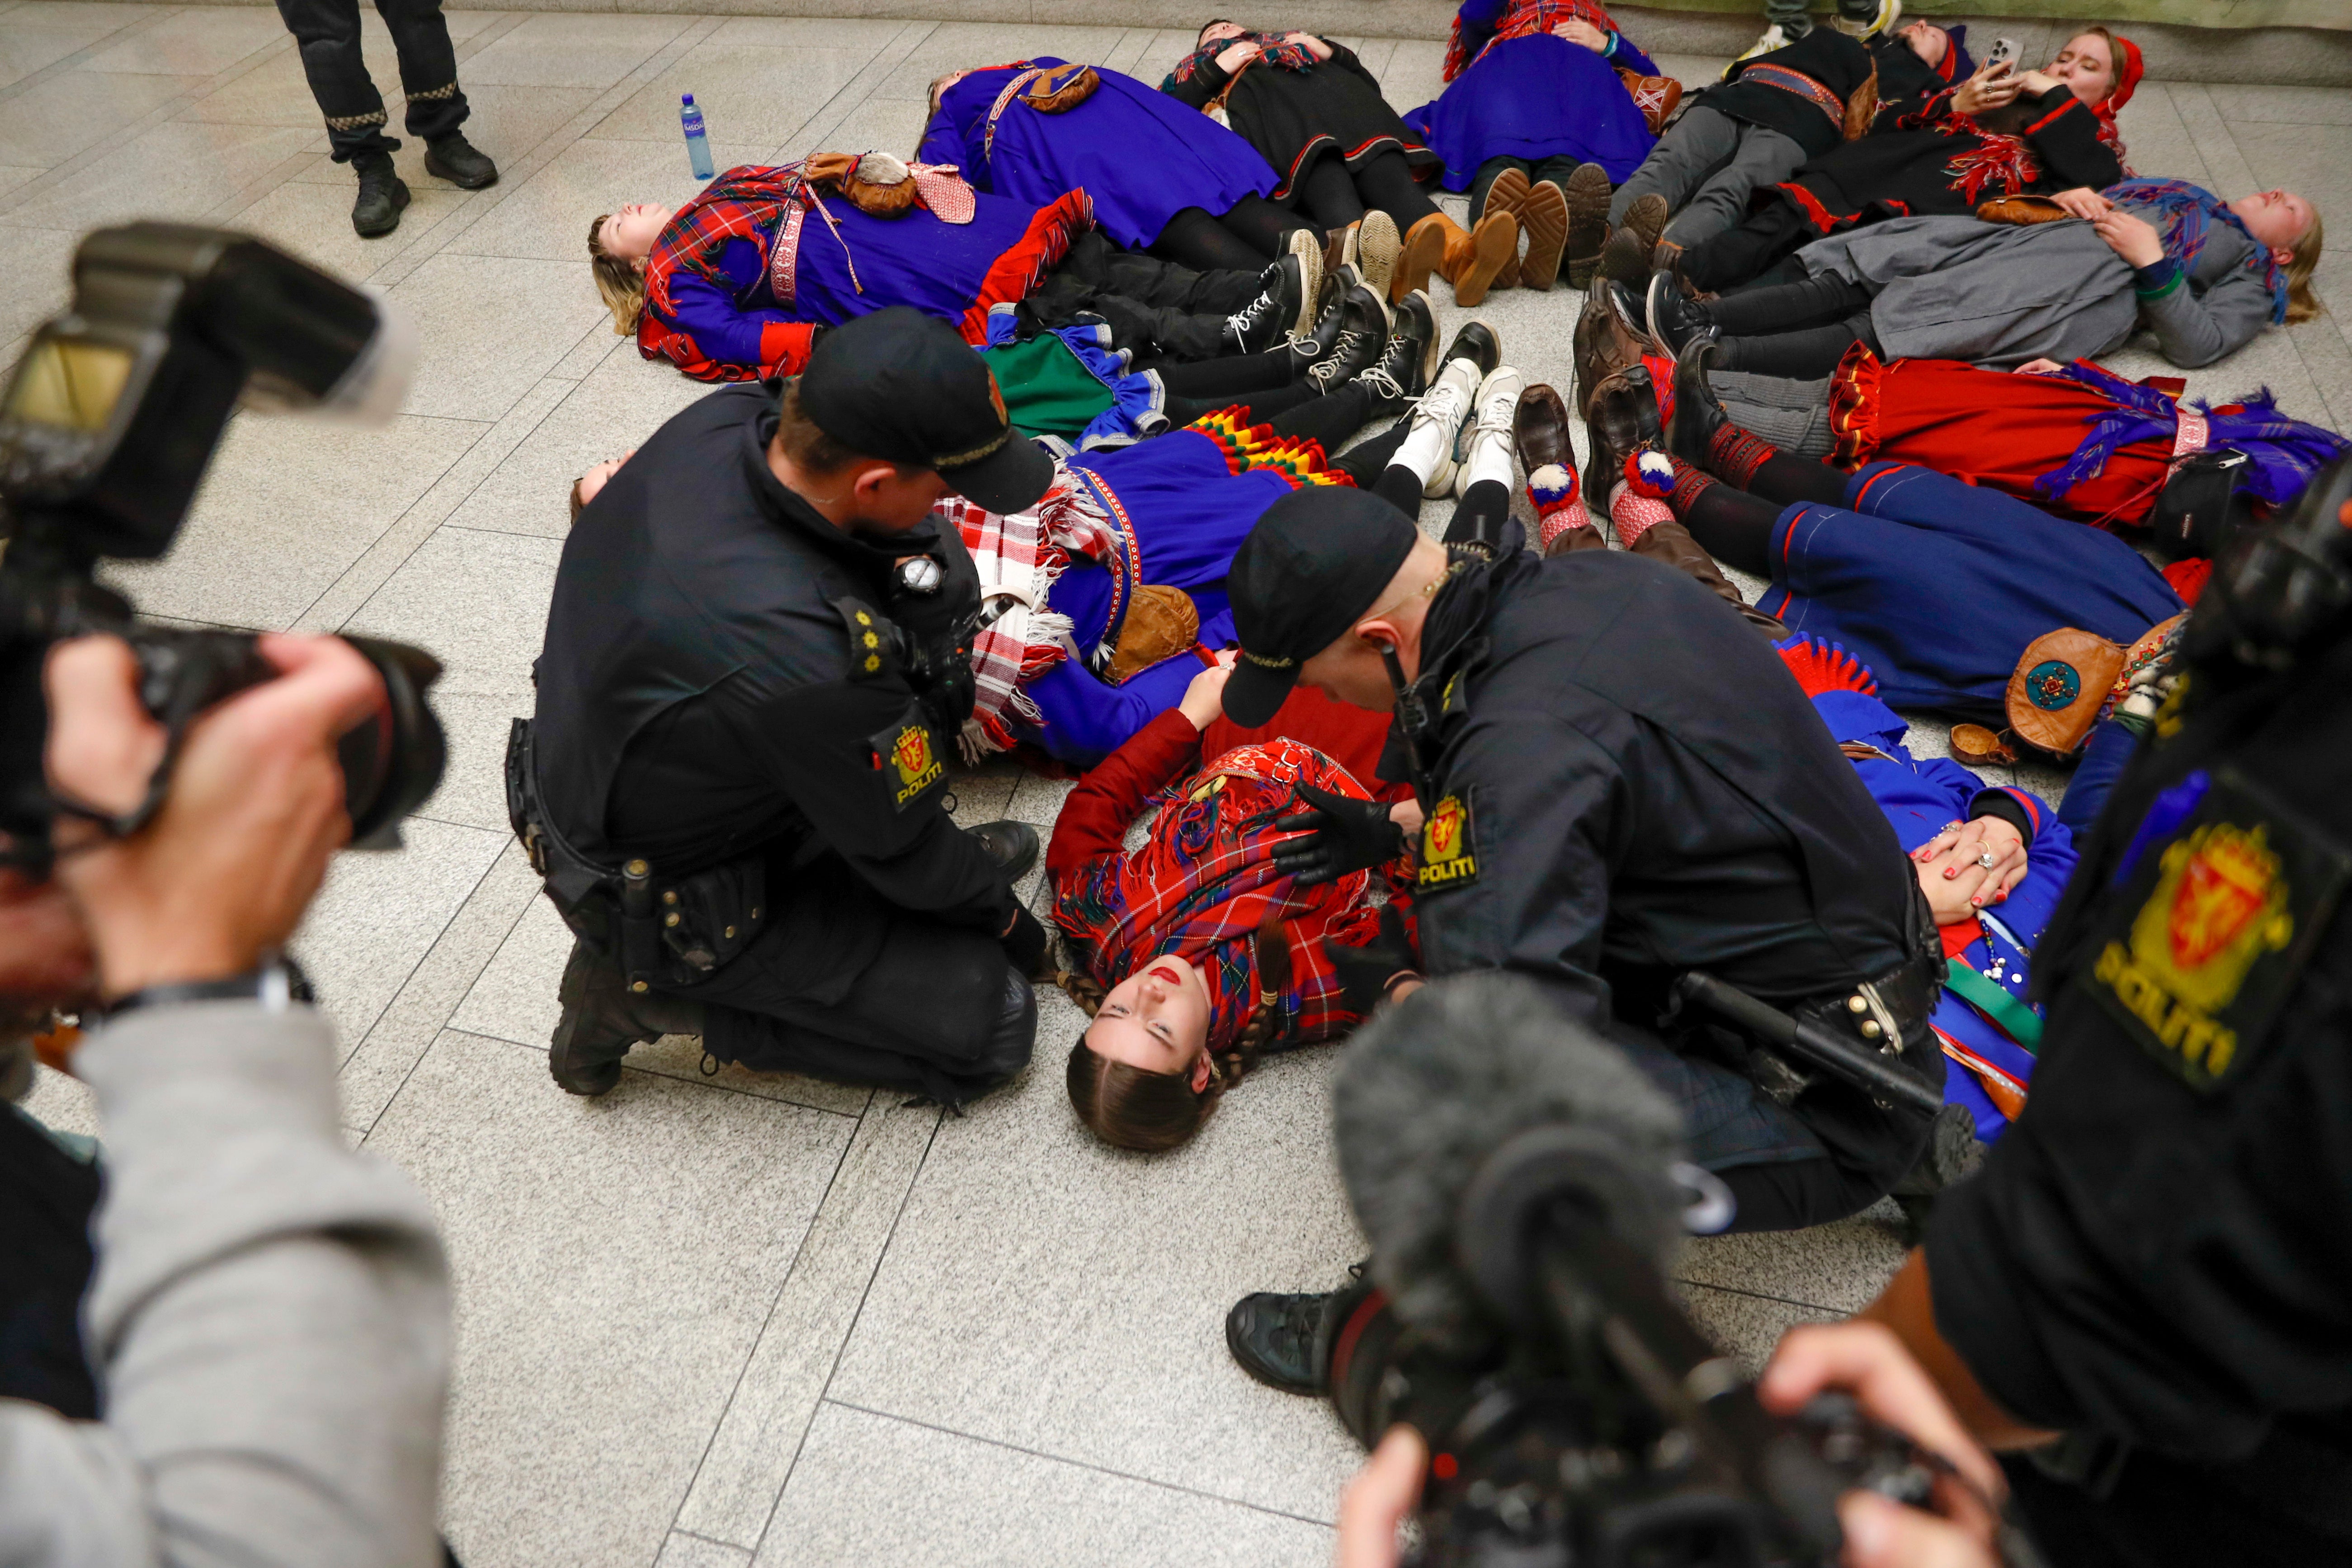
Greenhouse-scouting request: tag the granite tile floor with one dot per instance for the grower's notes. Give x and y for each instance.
(712, 1319)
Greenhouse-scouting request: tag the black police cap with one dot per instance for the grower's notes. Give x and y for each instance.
(1318, 559)
(905, 387)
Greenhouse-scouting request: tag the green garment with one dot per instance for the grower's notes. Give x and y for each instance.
(1047, 391)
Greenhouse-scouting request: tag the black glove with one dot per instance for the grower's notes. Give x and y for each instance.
(1024, 942)
(1346, 835)
(1365, 971)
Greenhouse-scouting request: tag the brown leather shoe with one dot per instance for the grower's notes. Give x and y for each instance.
(1622, 419)
(1473, 260)
(1426, 246)
(1540, 429)
(1508, 194)
(1588, 221)
(1544, 216)
(1603, 344)
(1626, 257)
(1670, 543)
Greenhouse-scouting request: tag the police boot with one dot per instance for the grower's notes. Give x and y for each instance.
(1285, 1342)
(459, 162)
(1012, 845)
(1952, 1153)
(381, 195)
(603, 1018)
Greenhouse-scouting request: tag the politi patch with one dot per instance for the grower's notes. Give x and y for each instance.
(908, 761)
(1449, 845)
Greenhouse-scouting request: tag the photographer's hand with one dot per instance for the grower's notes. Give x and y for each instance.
(1868, 1361)
(223, 874)
(1380, 1497)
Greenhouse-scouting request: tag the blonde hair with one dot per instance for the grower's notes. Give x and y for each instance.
(2115, 55)
(621, 285)
(2302, 304)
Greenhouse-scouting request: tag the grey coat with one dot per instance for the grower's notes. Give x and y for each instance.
(2003, 294)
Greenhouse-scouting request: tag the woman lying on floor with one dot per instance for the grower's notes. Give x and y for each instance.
(1113, 584)
(1994, 136)
(1313, 112)
(735, 285)
(1161, 178)
(1180, 937)
(2204, 275)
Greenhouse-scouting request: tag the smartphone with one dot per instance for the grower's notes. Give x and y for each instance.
(2003, 58)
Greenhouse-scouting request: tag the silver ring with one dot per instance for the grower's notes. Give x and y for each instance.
(1985, 858)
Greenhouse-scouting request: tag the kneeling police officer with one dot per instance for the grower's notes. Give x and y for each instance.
(1622, 784)
(756, 666)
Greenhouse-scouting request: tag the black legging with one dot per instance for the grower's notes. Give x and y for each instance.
(1335, 196)
(1479, 518)
(1799, 330)
(1555, 170)
(1261, 381)
(1251, 234)
(1736, 526)
(1764, 237)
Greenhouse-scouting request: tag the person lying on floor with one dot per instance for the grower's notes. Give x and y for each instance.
(1202, 950)
(1939, 587)
(735, 285)
(1770, 113)
(1539, 116)
(1312, 110)
(1163, 178)
(2203, 275)
(1996, 135)
(1112, 586)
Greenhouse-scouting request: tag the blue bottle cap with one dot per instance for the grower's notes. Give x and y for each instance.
(686, 97)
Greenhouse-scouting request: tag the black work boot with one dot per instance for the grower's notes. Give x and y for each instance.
(1364, 332)
(1267, 320)
(1698, 414)
(1012, 845)
(1321, 340)
(381, 195)
(459, 162)
(1285, 1342)
(603, 1018)
(1952, 1155)
(1408, 361)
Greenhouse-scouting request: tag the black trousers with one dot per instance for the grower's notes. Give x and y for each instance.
(1767, 235)
(44, 1235)
(1155, 307)
(940, 1010)
(328, 34)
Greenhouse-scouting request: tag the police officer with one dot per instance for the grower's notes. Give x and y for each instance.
(1622, 784)
(755, 673)
(2155, 1260)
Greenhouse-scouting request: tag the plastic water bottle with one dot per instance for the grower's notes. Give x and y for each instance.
(697, 145)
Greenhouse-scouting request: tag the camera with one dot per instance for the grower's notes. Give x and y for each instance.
(1521, 1185)
(106, 426)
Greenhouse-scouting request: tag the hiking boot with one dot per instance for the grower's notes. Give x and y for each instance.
(1260, 324)
(381, 195)
(1588, 221)
(1362, 336)
(1284, 1341)
(1483, 448)
(602, 1017)
(1477, 342)
(459, 162)
(1408, 361)
(1626, 257)
(1543, 217)
(1012, 845)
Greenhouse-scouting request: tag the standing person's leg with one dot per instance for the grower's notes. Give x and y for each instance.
(1789, 17)
(327, 34)
(436, 106)
(1694, 149)
(1385, 181)
(1760, 157)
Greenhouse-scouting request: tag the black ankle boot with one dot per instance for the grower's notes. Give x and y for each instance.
(1284, 1341)
(1408, 361)
(1322, 340)
(1263, 323)
(603, 1018)
(1363, 334)
(381, 195)
(1697, 413)
(1671, 319)
(459, 162)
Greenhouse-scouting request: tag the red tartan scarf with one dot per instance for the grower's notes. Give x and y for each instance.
(1203, 883)
(1272, 49)
(1524, 19)
(747, 203)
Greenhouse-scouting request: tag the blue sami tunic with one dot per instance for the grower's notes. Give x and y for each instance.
(1140, 153)
(1919, 795)
(1938, 585)
(1537, 98)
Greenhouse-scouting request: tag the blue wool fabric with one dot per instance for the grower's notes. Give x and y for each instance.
(1938, 585)
(1140, 153)
(1538, 97)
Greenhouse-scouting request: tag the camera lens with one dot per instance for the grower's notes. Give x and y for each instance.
(393, 760)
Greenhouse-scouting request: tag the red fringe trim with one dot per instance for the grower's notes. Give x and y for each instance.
(1297, 458)
(1012, 275)
(1856, 395)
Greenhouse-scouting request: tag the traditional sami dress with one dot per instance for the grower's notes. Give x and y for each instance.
(744, 274)
(1517, 89)
(1173, 510)
(1939, 587)
(1140, 155)
(2084, 443)
(1982, 1019)
(1295, 108)
(1203, 885)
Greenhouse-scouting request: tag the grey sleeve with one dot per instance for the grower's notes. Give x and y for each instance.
(270, 1317)
(2193, 330)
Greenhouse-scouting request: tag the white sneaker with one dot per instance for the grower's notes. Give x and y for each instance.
(1428, 448)
(1488, 448)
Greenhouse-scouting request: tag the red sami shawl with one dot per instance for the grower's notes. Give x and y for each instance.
(1524, 19)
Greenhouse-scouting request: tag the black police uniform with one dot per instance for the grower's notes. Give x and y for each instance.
(1625, 785)
(719, 696)
(2157, 1256)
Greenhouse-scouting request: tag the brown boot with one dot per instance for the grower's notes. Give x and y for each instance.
(1627, 256)
(1671, 544)
(1588, 221)
(1508, 194)
(1473, 258)
(1544, 215)
(1423, 252)
(1539, 430)
(1603, 344)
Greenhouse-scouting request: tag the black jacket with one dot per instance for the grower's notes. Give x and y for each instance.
(2158, 1251)
(704, 693)
(1832, 61)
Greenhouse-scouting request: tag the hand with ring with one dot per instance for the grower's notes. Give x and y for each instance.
(1969, 865)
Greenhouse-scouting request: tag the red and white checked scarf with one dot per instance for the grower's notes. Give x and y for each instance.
(1019, 558)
